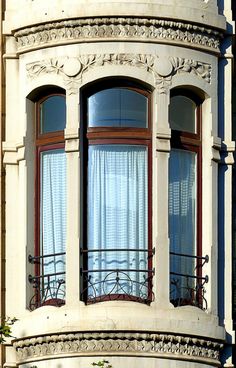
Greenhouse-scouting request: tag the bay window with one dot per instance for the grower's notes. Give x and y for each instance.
(116, 196)
(50, 202)
(116, 186)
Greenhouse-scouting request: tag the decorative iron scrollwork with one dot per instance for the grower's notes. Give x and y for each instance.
(49, 289)
(189, 289)
(118, 285)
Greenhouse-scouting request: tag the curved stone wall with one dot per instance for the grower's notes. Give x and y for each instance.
(194, 11)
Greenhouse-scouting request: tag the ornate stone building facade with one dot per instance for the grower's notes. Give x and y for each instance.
(117, 153)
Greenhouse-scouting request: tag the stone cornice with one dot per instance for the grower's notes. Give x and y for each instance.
(119, 343)
(124, 29)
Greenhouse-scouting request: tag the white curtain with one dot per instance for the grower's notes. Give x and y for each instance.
(117, 218)
(53, 218)
(182, 219)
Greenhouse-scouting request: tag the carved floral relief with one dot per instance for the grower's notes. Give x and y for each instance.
(72, 69)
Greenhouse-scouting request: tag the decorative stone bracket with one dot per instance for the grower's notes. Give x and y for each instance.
(227, 152)
(162, 143)
(71, 140)
(216, 148)
(13, 152)
(162, 69)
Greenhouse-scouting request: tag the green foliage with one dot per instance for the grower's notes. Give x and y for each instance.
(5, 328)
(102, 364)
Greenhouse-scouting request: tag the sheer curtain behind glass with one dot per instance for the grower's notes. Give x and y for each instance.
(117, 218)
(182, 218)
(53, 216)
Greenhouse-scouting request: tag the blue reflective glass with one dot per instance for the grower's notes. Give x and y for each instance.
(183, 114)
(117, 107)
(53, 114)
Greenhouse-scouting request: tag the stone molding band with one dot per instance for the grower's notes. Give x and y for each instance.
(120, 29)
(120, 343)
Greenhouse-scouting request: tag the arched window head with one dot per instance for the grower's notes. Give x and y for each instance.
(118, 107)
(52, 111)
(183, 114)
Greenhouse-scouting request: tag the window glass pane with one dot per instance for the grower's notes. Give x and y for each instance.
(53, 222)
(117, 220)
(183, 114)
(117, 107)
(182, 221)
(53, 114)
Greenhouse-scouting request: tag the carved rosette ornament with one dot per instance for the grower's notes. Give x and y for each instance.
(133, 29)
(162, 69)
(119, 343)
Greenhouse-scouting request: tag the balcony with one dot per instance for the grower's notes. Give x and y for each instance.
(119, 283)
(188, 288)
(133, 284)
(48, 288)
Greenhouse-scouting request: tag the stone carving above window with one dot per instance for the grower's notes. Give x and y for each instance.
(162, 69)
(146, 30)
(150, 344)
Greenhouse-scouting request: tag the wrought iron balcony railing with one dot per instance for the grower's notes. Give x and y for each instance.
(188, 288)
(101, 284)
(49, 288)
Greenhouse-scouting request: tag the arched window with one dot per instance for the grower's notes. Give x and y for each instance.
(50, 201)
(116, 216)
(186, 281)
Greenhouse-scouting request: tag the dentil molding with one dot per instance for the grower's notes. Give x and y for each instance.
(120, 343)
(124, 29)
(162, 69)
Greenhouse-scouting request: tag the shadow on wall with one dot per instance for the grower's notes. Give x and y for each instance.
(220, 4)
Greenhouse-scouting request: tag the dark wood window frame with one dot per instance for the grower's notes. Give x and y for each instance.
(44, 142)
(114, 135)
(192, 142)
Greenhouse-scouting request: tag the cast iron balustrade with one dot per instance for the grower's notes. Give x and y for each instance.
(188, 289)
(49, 289)
(117, 283)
